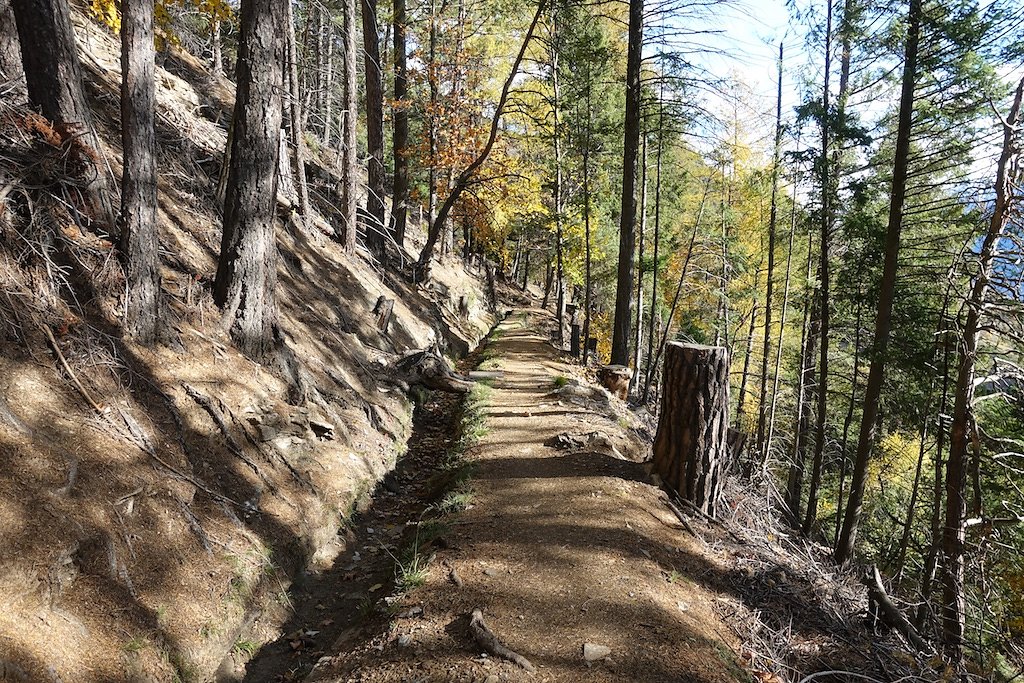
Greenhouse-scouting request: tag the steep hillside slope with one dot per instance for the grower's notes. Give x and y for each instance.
(153, 502)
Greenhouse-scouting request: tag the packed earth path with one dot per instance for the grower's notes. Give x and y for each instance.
(576, 562)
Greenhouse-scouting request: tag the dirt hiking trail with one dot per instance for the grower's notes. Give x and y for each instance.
(558, 547)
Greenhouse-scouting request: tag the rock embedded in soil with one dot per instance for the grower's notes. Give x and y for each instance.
(593, 652)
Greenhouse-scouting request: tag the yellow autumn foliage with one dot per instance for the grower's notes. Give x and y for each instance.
(105, 12)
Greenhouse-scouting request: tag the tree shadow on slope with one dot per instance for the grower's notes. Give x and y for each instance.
(385, 524)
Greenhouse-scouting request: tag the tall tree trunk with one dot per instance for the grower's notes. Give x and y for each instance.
(854, 380)
(722, 331)
(825, 303)
(953, 531)
(657, 238)
(627, 214)
(586, 233)
(526, 268)
(745, 376)
(462, 181)
(549, 278)
(328, 79)
(638, 335)
(915, 490)
(928, 571)
(432, 128)
(295, 118)
(247, 268)
(374, 128)
(762, 415)
(53, 76)
(349, 173)
(776, 373)
(804, 395)
(400, 142)
(886, 292)
(558, 189)
(139, 240)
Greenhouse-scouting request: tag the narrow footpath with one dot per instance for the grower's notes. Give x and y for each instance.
(574, 559)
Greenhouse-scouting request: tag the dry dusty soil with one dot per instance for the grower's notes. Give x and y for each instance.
(558, 548)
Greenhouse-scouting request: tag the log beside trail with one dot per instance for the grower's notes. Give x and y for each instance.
(691, 447)
(428, 368)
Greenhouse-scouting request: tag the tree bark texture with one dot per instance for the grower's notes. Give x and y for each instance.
(10, 49)
(247, 268)
(374, 128)
(53, 77)
(690, 448)
(627, 215)
(139, 239)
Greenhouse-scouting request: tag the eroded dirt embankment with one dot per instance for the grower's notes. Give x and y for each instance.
(155, 503)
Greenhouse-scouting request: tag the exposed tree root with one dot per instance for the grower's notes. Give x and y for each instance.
(206, 404)
(488, 641)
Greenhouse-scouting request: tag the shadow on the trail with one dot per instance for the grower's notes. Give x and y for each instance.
(580, 464)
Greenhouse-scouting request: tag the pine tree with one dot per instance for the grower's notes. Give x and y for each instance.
(139, 239)
(245, 285)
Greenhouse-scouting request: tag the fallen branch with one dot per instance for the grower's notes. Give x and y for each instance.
(489, 642)
(893, 616)
(71, 374)
(674, 497)
(679, 515)
(8, 417)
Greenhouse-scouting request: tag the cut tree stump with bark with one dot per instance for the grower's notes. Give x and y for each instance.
(691, 449)
(615, 378)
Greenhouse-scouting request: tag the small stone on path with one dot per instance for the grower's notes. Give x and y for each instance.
(593, 652)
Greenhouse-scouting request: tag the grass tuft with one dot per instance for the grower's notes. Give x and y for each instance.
(245, 648)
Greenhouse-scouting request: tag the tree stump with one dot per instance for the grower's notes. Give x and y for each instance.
(615, 378)
(691, 447)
